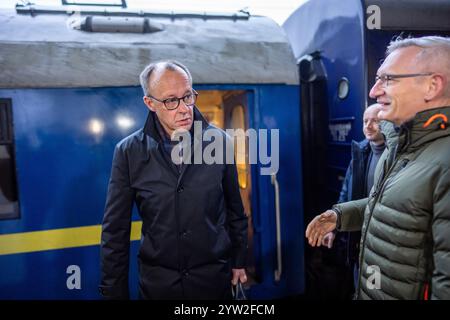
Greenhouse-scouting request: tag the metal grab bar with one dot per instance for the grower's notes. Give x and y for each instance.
(279, 269)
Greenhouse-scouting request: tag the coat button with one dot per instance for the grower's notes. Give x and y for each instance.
(184, 233)
(180, 190)
(185, 273)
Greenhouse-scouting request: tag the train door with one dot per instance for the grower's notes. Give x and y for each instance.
(329, 123)
(228, 110)
(236, 117)
(314, 115)
(271, 202)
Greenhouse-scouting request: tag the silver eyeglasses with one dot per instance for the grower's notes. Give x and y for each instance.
(173, 103)
(385, 78)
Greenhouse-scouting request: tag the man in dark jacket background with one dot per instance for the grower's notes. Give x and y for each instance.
(194, 230)
(357, 184)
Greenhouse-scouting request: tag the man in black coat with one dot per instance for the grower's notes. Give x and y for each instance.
(357, 184)
(194, 230)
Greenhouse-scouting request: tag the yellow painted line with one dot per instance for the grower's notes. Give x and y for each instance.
(57, 239)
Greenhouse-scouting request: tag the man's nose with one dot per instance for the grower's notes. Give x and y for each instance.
(183, 108)
(377, 90)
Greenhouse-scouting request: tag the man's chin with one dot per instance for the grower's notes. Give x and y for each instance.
(185, 127)
(384, 115)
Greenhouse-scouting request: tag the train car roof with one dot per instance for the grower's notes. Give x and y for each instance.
(42, 48)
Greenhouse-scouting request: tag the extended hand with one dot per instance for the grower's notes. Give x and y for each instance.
(320, 226)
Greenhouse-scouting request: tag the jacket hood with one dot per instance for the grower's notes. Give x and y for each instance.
(389, 131)
(425, 127)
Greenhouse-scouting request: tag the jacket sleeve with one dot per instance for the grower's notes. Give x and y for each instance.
(344, 196)
(440, 281)
(116, 226)
(236, 218)
(351, 214)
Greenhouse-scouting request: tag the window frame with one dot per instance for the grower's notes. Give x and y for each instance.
(7, 139)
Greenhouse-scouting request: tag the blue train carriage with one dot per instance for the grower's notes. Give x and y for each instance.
(339, 46)
(69, 92)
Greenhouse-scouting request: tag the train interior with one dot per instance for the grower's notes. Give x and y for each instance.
(227, 109)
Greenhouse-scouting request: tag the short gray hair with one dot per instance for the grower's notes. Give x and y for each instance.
(434, 56)
(171, 65)
(428, 42)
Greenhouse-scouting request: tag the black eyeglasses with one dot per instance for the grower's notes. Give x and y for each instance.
(173, 103)
(385, 78)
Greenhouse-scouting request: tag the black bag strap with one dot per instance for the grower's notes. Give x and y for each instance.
(238, 292)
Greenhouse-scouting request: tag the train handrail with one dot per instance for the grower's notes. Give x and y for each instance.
(34, 10)
(279, 269)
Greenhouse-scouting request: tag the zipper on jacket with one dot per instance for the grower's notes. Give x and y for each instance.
(378, 192)
(426, 291)
(376, 195)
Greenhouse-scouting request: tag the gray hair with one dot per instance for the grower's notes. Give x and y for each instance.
(434, 56)
(373, 105)
(171, 65)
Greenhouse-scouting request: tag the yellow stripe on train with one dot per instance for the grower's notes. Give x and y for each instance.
(57, 239)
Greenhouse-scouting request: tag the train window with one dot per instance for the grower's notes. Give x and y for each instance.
(9, 206)
(343, 88)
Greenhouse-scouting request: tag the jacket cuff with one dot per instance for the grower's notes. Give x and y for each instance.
(338, 217)
(350, 215)
(238, 260)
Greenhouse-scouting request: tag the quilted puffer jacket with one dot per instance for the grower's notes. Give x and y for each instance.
(405, 243)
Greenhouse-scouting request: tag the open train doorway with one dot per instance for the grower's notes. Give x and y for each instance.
(228, 109)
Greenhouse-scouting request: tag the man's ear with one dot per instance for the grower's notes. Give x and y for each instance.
(149, 103)
(436, 87)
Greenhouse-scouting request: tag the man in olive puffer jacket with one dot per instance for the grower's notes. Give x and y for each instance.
(405, 221)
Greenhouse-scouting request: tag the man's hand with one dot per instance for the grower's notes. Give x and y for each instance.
(328, 239)
(238, 274)
(320, 226)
